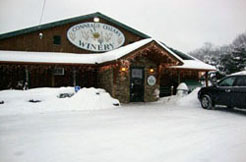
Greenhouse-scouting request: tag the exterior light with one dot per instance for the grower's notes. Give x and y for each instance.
(151, 70)
(123, 69)
(96, 19)
(40, 35)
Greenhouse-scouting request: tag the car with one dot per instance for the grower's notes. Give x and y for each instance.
(229, 91)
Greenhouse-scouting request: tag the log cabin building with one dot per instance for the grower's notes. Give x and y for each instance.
(95, 51)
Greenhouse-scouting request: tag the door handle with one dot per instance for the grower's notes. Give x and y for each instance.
(228, 90)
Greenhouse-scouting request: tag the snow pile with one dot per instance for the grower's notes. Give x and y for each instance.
(182, 89)
(54, 99)
(189, 100)
(183, 86)
(91, 98)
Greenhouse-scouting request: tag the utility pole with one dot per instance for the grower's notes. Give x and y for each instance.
(42, 12)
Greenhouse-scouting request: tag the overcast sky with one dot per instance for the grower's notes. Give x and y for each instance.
(181, 24)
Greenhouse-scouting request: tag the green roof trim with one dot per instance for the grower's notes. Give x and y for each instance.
(179, 53)
(71, 20)
(123, 25)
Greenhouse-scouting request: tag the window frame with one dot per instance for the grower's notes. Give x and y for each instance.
(244, 81)
(57, 40)
(58, 71)
(233, 83)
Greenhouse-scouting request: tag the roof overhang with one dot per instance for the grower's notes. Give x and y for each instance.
(69, 58)
(96, 59)
(71, 20)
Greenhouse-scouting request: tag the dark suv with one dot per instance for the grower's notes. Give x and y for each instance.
(230, 91)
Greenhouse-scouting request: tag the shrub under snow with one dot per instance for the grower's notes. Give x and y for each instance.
(54, 99)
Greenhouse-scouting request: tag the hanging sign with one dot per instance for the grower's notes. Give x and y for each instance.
(151, 80)
(98, 37)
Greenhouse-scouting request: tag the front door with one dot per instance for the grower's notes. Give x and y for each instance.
(137, 84)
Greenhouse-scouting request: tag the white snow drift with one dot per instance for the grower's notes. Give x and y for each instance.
(49, 99)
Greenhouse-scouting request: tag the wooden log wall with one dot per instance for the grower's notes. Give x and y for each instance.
(172, 77)
(15, 76)
(33, 42)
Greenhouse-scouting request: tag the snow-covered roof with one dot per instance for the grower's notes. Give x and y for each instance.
(72, 58)
(195, 64)
(192, 63)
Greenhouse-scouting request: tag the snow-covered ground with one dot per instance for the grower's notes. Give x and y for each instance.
(172, 129)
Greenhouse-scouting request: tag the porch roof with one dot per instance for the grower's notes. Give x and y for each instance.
(195, 65)
(93, 59)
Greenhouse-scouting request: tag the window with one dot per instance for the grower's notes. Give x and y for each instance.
(227, 82)
(241, 81)
(137, 73)
(58, 71)
(57, 39)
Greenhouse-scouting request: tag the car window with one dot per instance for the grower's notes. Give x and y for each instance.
(241, 81)
(227, 82)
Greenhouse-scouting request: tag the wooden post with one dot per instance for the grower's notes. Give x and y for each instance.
(52, 80)
(206, 78)
(172, 89)
(179, 79)
(26, 84)
(159, 72)
(74, 77)
(114, 72)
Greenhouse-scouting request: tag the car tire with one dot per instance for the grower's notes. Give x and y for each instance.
(206, 102)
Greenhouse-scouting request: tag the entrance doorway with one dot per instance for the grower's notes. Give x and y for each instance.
(137, 84)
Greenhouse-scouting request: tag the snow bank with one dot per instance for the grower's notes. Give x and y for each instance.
(91, 98)
(49, 99)
(189, 100)
(40, 100)
(182, 89)
(183, 86)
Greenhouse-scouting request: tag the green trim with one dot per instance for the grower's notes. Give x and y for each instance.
(181, 54)
(123, 26)
(66, 21)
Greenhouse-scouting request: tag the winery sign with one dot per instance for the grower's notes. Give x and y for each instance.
(98, 37)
